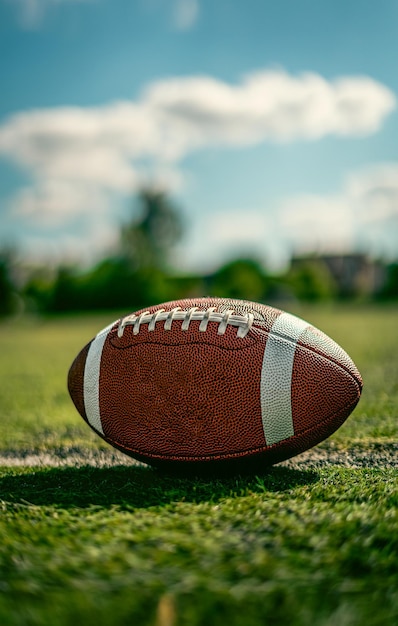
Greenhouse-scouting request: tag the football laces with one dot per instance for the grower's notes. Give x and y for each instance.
(224, 319)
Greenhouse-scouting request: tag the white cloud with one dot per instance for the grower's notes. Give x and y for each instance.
(32, 12)
(269, 106)
(64, 247)
(177, 116)
(301, 224)
(185, 14)
(317, 223)
(74, 154)
(54, 203)
(62, 221)
(364, 215)
(237, 228)
(374, 191)
(224, 235)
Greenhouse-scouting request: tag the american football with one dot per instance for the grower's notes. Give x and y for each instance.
(211, 381)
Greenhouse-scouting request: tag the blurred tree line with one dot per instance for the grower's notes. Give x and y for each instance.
(140, 273)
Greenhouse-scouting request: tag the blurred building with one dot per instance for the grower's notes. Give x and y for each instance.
(353, 274)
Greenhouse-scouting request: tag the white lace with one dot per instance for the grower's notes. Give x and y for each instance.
(242, 322)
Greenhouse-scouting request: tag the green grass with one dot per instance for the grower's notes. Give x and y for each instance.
(36, 411)
(128, 545)
(370, 336)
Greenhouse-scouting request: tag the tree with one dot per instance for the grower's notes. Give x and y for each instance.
(7, 289)
(133, 277)
(389, 290)
(242, 279)
(147, 241)
(136, 275)
(312, 281)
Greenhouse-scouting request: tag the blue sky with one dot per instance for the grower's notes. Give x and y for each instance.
(274, 125)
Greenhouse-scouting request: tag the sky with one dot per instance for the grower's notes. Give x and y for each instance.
(273, 126)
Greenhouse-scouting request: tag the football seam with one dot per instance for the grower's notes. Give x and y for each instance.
(232, 455)
(191, 343)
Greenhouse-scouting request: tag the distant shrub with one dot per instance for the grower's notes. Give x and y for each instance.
(242, 278)
(389, 290)
(112, 284)
(311, 281)
(8, 291)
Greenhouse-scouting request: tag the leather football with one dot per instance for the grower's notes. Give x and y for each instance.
(208, 381)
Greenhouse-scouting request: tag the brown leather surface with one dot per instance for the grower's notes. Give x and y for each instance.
(183, 394)
(76, 378)
(320, 389)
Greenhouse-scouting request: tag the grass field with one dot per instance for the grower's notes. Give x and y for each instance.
(111, 543)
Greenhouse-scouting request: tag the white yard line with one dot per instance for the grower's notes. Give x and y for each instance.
(379, 456)
(355, 457)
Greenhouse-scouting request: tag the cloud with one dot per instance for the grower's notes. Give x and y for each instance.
(363, 216)
(270, 106)
(36, 204)
(177, 116)
(72, 154)
(231, 233)
(185, 14)
(61, 221)
(90, 243)
(317, 223)
(32, 12)
(237, 228)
